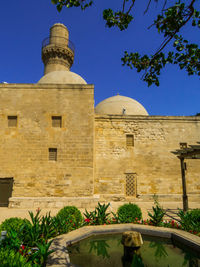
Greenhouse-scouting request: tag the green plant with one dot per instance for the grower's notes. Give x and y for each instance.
(115, 218)
(14, 224)
(60, 225)
(156, 217)
(41, 254)
(11, 258)
(41, 227)
(98, 216)
(67, 225)
(68, 218)
(190, 220)
(32, 232)
(128, 213)
(47, 227)
(11, 241)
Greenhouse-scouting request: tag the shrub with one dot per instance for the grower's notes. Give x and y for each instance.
(128, 213)
(70, 218)
(190, 220)
(12, 241)
(13, 224)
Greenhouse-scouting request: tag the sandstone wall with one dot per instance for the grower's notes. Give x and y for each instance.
(155, 169)
(79, 176)
(24, 150)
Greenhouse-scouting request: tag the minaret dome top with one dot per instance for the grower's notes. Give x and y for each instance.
(58, 57)
(57, 50)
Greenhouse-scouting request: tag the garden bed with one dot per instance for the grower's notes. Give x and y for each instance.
(31, 243)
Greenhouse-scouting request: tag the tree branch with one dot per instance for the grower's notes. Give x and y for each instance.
(166, 41)
(133, 2)
(147, 8)
(123, 6)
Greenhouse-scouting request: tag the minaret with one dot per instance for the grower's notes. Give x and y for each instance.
(57, 50)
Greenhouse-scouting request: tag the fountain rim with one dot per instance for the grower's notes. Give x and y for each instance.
(60, 243)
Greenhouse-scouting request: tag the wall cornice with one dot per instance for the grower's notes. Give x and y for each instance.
(146, 118)
(19, 86)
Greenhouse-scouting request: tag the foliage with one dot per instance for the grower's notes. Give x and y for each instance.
(169, 23)
(40, 228)
(29, 235)
(28, 245)
(68, 218)
(40, 256)
(98, 216)
(185, 55)
(59, 225)
(156, 217)
(11, 241)
(128, 213)
(32, 232)
(9, 258)
(13, 224)
(68, 224)
(72, 3)
(190, 221)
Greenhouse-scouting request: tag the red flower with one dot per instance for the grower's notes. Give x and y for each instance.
(22, 247)
(87, 220)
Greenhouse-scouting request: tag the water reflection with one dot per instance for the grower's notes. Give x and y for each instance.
(108, 252)
(99, 247)
(190, 261)
(132, 258)
(160, 251)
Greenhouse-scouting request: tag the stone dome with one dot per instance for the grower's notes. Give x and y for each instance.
(120, 105)
(62, 77)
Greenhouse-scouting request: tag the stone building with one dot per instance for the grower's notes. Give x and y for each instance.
(56, 149)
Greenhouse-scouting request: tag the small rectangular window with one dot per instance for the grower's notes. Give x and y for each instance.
(56, 121)
(12, 121)
(130, 184)
(129, 140)
(53, 154)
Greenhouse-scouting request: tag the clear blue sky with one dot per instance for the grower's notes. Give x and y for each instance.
(25, 23)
